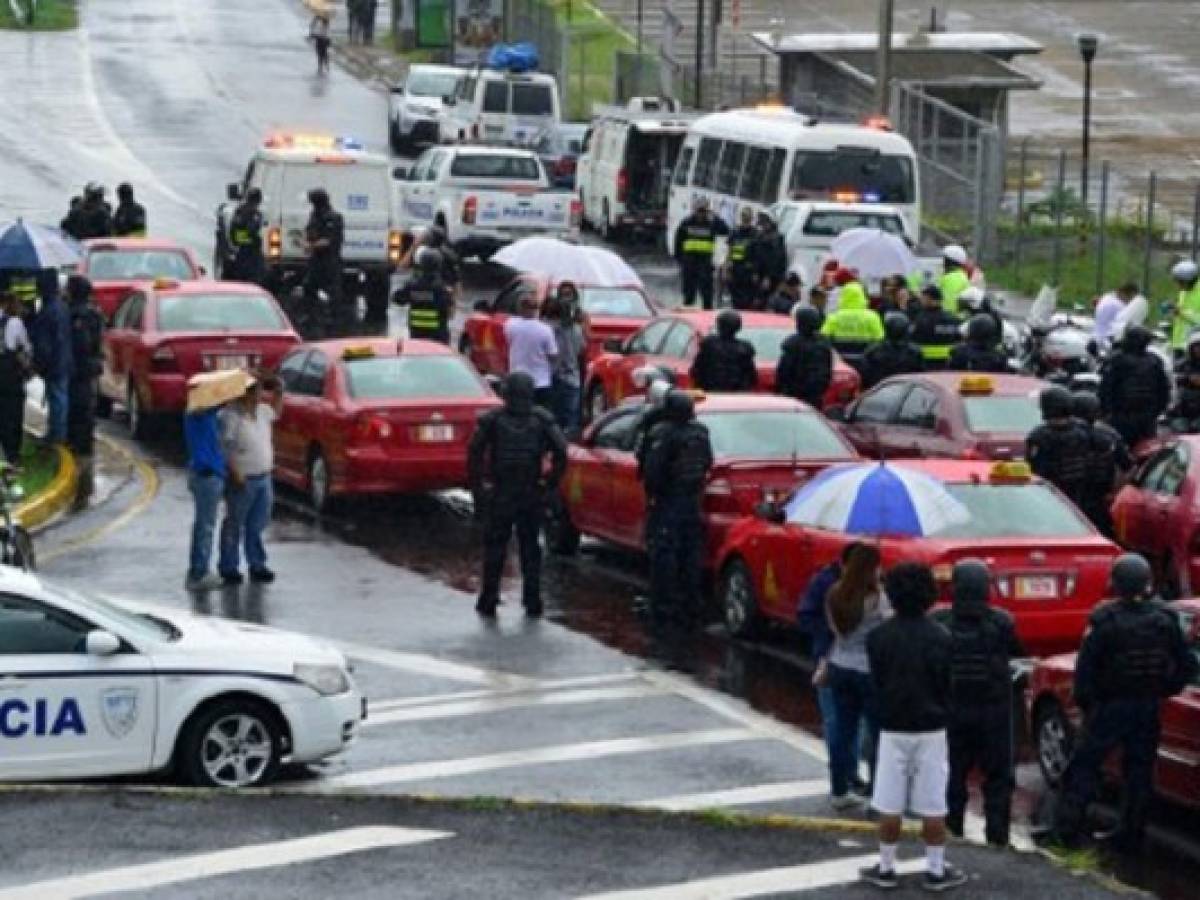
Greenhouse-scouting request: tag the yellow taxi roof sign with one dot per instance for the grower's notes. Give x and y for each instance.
(697, 395)
(358, 352)
(165, 284)
(1011, 472)
(973, 385)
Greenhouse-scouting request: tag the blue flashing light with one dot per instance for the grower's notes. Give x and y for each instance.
(350, 143)
(871, 197)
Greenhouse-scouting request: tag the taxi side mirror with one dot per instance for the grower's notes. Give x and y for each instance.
(770, 511)
(614, 345)
(233, 191)
(101, 643)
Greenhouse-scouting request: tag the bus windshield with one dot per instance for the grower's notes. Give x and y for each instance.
(872, 176)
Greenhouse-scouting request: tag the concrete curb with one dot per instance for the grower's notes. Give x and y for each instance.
(59, 495)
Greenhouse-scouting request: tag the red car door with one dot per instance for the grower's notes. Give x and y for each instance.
(1178, 771)
(289, 446)
(125, 346)
(920, 428)
(601, 492)
(1140, 506)
(640, 351)
(492, 351)
(308, 432)
(116, 336)
(869, 420)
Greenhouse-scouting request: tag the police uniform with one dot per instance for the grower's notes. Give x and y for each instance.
(980, 733)
(768, 253)
(972, 356)
(1059, 452)
(325, 264)
(1134, 388)
(505, 461)
(1107, 454)
(129, 220)
(952, 284)
(805, 368)
(853, 326)
(94, 220)
(87, 332)
(695, 244)
(888, 358)
(743, 286)
(430, 305)
(936, 332)
(724, 364)
(245, 238)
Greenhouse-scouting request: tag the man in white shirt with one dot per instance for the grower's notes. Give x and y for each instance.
(16, 357)
(250, 454)
(1108, 309)
(532, 350)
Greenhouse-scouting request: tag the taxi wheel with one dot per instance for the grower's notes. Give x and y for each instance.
(1053, 739)
(139, 420)
(234, 743)
(739, 608)
(319, 480)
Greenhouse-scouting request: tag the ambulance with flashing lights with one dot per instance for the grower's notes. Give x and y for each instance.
(761, 156)
(289, 165)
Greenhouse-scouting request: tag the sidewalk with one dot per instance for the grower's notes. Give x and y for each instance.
(378, 66)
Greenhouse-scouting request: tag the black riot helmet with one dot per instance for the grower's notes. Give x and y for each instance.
(79, 289)
(896, 326)
(1131, 576)
(808, 321)
(429, 260)
(970, 584)
(435, 236)
(1085, 405)
(679, 406)
(125, 190)
(981, 329)
(254, 196)
(1137, 339)
(517, 391)
(729, 323)
(319, 198)
(1055, 402)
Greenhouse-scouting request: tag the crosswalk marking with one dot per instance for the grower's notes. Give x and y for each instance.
(758, 793)
(513, 759)
(222, 862)
(811, 877)
(424, 664)
(515, 701)
(552, 684)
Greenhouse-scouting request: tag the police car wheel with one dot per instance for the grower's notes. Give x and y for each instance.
(1053, 739)
(234, 743)
(739, 608)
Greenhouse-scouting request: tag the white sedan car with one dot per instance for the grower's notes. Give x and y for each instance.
(89, 689)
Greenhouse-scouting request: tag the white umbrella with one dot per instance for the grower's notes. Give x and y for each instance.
(560, 261)
(873, 253)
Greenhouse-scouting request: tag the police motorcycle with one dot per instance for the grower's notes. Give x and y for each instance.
(1061, 348)
(16, 545)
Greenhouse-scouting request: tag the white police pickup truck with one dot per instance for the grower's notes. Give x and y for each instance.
(484, 198)
(90, 689)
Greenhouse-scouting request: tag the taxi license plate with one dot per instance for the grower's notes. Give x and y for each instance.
(1039, 588)
(435, 434)
(222, 363)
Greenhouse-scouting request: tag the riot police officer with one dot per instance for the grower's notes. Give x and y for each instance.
(323, 236)
(677, 457)
(87, 334)
(505, 464)
(695, 244)
(725, 362)
(245, 239)
(1133, 656)
(739, 264)
(1109, 458)
(770, 257)
(805, 366)
(894, 355)
(429, 301)
(983, 642)
(1058, 449)
(979, 352)
(129, 219)
(1134, 388)
(95, 216)
(935, 330)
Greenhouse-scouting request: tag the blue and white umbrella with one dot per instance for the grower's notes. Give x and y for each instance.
(26, 247)
(875, 498)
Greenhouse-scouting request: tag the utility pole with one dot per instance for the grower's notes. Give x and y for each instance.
(699, 92)
(883, 59)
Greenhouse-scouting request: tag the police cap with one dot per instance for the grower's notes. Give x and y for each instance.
(1131, 576)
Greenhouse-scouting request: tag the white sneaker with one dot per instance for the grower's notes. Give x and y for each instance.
(209, 582)
(842, 802)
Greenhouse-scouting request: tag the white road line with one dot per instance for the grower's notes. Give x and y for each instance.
(515, 701)
(471, 765)
(537, 688)
(423, 664)
(814, 876)
(222, 862)
(758, 793)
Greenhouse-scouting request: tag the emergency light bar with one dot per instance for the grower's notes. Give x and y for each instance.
(311, 141)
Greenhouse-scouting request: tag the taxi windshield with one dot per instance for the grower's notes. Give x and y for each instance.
(624, 302)
(767, 342)
(218, 312)
(411, 378)
(136, 625)
(1013, 510)
(1014, 414)
(773, 435)
(138, 265)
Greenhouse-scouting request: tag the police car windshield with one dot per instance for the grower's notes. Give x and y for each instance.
(831, 224)
(138, 265)
(1013, 510)
(495, 165)
(1002, 415)
(411, 378)
(623, 302)
(767, 342)
(431, 84)
(218, 312)
(754, 434)
(131, 624)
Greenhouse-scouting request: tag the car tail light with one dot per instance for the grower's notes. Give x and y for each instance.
(470, 210)
(395, 246)
(576, 213)
(370, 427)
(622, 185)
(972, 453)
(274, 243)
(163, 360)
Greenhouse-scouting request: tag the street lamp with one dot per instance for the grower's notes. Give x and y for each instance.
(1088, 44)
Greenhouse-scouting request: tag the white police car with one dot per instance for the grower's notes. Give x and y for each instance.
(90, 689)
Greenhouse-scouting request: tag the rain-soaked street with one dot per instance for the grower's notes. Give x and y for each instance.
(174, 96)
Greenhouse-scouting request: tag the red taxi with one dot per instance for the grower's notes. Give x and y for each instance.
(945, 414)
(1054, 720)
(671, 343)
(167, 331)
(1158, 514)
(610, 314)
(117, 266)
(761, 443)
(376, 416)
(1050, 566)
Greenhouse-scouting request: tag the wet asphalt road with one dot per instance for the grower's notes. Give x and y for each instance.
(173, 96)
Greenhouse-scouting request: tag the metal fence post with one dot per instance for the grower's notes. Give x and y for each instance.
(1102, 225)
(1149, 232)
(979, 212)
(1060, 191)
(1196, 223)
(1019, 237)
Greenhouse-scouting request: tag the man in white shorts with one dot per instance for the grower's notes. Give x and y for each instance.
(909, 657)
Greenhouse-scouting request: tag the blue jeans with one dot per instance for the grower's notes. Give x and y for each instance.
(566, 405)
(854, 700)
(207, 491)
(247, 513)
(57, 394)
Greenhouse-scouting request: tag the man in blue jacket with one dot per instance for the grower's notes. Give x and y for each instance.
(52, 354)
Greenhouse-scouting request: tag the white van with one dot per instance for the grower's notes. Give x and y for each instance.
(417, 106)
(493, 106)
(624, 175)
(285, 168)
(810, 228)
(759, 157)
